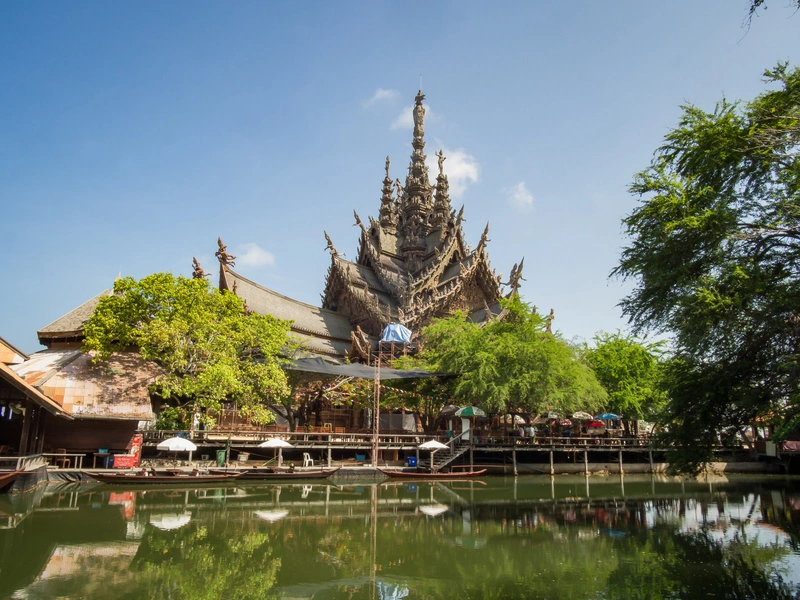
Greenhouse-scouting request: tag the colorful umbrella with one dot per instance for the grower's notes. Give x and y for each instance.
(607, 416)
(470, 411)
(582, 416)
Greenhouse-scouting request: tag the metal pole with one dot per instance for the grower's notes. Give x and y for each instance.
(376, 410)
(552, 470)
(586, 461)
(514, 459)
(620, 462)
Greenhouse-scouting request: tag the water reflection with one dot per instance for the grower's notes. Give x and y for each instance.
(526, 537)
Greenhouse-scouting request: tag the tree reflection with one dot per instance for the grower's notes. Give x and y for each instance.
(200, 564)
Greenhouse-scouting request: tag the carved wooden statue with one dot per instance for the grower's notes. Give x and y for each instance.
(223, 256)
(197, 270)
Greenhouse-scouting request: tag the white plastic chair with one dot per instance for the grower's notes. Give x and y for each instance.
(307, 460)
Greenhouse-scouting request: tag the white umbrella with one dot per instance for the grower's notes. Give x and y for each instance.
(433, 446)
(271, 515)
(170, 522)
(433, 510)
(278, 444)
(177, 444)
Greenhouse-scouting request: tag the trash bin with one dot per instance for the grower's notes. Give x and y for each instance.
(221, 458)
(411, 461)
(243, 456)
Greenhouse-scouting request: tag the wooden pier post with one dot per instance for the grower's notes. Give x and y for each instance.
(620, 461)
(586, 461)
(650, 454)
(514, 459)
(552, 470)
(329, 456)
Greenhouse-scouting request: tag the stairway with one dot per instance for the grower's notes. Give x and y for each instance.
(442, 458)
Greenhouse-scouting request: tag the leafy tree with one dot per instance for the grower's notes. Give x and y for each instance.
(511, 364)
(211, 349)
(715, 252)
(631, 373)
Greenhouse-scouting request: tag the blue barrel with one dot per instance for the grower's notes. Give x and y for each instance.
(411, 461)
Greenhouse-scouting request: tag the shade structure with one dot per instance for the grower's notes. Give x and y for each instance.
(278, 444)
(271, 515)
(170, 522)
(607, 416)
(275, 443)
(432, 445)
(514, 420)
(470, 411)
(582, 416)
(177, 444)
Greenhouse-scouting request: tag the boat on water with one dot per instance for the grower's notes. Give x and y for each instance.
(8, 477)
(430, 475)
(267, 473)
(187, 478)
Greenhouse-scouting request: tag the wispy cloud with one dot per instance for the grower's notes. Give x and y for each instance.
(519, 196)
(381, 95)
(462, 170)
(405, 120)
(252, 255)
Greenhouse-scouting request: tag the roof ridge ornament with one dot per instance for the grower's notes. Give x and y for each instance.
(331, 248)
(197, 270)
(225, 259)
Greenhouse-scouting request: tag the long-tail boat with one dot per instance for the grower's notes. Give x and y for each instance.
(168, 478)
(398, 474)
(267, 473)
(8, 477)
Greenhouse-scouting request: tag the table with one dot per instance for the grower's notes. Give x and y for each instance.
(104, 456)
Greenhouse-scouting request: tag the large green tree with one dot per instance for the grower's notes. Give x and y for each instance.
(714, 253)
(511, 364)
(212, 350)
(631, 372)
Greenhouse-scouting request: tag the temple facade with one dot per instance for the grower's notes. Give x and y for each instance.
(413, 265)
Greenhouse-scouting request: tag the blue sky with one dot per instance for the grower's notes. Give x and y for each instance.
(132, 135)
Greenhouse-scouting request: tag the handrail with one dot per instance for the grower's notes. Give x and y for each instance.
(28, 462)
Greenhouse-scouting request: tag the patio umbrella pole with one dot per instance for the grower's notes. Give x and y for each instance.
(376, 410)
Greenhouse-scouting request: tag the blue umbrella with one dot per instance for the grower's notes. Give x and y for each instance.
(607, 416)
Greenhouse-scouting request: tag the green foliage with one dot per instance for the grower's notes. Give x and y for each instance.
(202, 564)
(211, 350)
(172, 418)
(714, 251)
(511, 364)
(631, 373)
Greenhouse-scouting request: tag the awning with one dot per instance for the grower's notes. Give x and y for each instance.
(323, 367)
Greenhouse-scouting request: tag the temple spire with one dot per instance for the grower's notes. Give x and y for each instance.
(417, 195)
(387, 215)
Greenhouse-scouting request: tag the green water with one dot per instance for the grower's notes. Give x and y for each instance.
(529, 537)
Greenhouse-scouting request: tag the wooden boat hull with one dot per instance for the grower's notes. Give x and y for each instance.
(8, 477)
(270, 475)
(171, 479)
(422, 475)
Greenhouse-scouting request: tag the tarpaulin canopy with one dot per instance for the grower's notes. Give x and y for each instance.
(319, 365)
(395, 332)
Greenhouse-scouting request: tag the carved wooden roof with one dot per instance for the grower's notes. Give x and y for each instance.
(318, 330)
